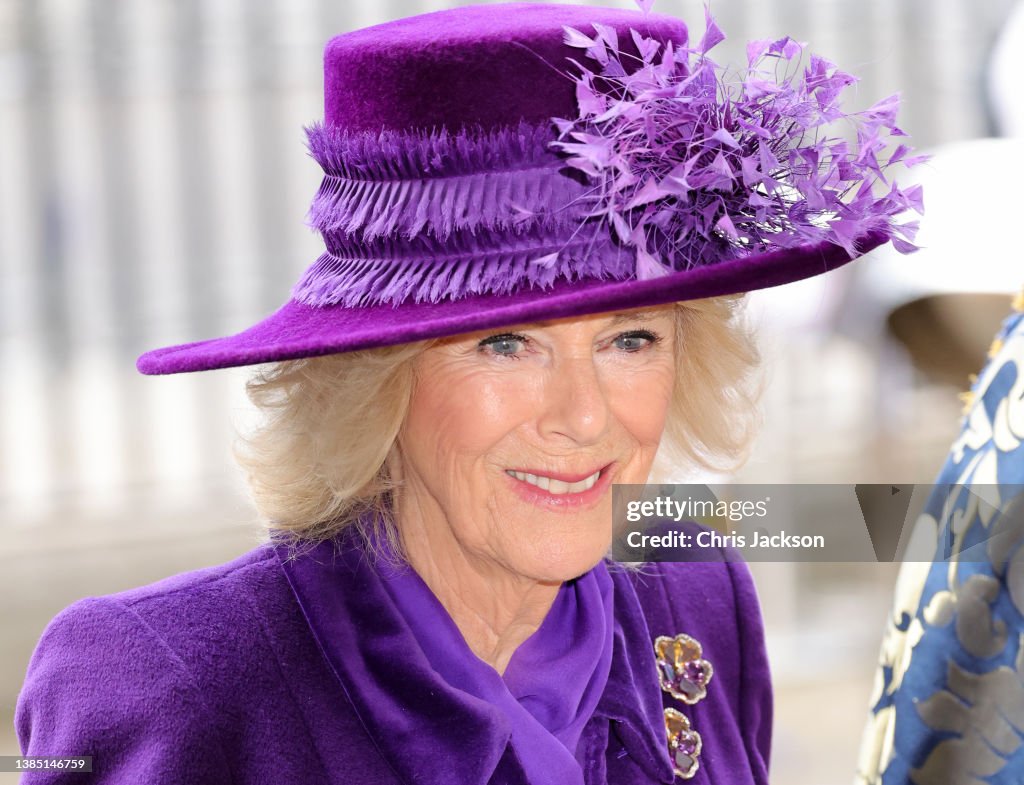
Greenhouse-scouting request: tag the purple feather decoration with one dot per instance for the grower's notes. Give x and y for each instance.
(690, 167)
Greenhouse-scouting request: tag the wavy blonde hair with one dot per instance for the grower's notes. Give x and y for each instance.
(319, 458)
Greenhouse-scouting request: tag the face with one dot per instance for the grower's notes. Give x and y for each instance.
(514, 437)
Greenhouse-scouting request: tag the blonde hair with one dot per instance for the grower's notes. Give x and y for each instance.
(319, 458)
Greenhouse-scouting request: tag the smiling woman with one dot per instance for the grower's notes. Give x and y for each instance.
(531, 291)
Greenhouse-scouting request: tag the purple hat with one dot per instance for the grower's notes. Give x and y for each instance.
(501, 164)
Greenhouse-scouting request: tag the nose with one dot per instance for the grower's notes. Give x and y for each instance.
(575, 404)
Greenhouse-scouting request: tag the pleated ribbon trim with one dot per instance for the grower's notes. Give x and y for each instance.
(431, 216)
(356, 272)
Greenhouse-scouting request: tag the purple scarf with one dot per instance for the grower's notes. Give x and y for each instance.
(553, 681)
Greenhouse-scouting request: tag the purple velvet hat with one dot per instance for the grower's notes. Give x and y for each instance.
(504, 164)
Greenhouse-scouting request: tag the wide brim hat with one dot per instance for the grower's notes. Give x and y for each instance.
(507, 164)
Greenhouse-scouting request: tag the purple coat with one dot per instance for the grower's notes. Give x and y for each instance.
(269, 670)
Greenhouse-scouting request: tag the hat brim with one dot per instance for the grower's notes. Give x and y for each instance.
(296, 330)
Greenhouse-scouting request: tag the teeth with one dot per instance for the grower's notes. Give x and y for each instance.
(558, 487)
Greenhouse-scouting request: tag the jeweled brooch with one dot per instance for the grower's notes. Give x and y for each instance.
(683, 671)
(683, 744)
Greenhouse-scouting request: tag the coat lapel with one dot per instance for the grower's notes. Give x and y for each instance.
(632, 699)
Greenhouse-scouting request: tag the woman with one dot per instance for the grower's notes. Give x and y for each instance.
(529, 292)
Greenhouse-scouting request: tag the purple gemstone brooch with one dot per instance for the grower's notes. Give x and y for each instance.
(683, 672)
(683, 744)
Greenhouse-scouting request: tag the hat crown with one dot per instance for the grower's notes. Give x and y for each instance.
(490, 66)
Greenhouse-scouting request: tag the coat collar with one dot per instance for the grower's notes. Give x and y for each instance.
(429, 732)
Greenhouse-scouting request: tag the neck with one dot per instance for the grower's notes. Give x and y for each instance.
(494, 608)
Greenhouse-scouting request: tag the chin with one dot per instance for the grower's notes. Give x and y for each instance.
(560, 559)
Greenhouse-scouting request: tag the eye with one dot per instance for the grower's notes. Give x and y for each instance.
(504, 345)
(635, 340)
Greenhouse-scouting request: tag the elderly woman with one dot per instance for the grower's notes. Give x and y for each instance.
(529, 294)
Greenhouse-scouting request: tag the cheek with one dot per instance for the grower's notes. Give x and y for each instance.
(642, 400)
(459, 418)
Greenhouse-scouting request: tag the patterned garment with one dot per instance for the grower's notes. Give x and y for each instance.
(949, 700)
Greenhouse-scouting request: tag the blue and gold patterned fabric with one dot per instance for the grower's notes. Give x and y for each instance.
(948, 707)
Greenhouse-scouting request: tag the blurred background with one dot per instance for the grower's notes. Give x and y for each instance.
(153, 186)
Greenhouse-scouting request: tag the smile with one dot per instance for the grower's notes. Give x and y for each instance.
(562, 492)
(555, 486)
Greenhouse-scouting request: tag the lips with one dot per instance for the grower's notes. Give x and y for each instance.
(555, 485)
(560, 490)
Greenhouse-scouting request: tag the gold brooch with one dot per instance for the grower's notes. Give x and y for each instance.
(683, 672)
(683, 744)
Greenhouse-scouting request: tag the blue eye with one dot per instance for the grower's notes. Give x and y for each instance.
(635, 340)
(505, 345)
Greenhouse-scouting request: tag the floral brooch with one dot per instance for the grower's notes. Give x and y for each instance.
(683, 744)
(684, 674)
